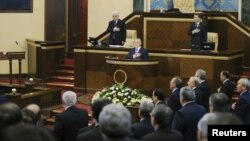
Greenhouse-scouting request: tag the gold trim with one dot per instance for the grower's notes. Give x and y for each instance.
(125, 75)
(107, 52)
(80, 50)
(232, 23)
(161, 55)
(131, 62)
(158, 54)
(132, 18)
(106, 36)
(160, 19)
(100, 51)
(204, 56)
(32, 42)
(50, 48)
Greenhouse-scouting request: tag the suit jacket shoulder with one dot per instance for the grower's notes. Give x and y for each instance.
(163, 135)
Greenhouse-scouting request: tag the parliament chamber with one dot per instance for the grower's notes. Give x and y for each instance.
(165, 37)
(67, 62)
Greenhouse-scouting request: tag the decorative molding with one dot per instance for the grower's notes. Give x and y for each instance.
(232, 23)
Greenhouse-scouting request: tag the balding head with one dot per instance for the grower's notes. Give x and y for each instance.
(243, 85)
(33, 108)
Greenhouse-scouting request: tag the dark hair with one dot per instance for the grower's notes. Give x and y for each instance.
(220, 102)
(199, 15)
(98, 106)
(21, 132)
(10, 114)
(159, 93)
(225, 73)
(162, 114)
(178, 82)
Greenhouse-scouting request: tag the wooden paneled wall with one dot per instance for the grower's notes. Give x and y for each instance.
(77, 23)
(91, 67)
(55, 20)
(163, 31)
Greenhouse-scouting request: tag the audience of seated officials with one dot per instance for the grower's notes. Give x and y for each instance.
(113, 122)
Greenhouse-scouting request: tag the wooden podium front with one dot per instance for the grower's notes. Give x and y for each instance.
(136, 74)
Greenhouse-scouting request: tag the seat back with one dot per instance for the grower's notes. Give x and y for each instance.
(213, 37)
(131, 36)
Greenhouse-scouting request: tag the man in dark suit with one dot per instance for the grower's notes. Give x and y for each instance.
(160, 119)
(204, 88)
(117, 30)
(242, 107)
(197, 31)
(93, 133)
(143, 127)
(227, 87)
(174, 99)
(115, 122)
(186, 119)
(158, 96)
(71, 120)
(138, 52)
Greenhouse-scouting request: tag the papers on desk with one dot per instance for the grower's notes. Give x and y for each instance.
(116, 46)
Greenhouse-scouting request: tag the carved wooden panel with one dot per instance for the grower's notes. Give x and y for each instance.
(167, 34)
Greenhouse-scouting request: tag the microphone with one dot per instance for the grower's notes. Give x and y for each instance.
(20, 46)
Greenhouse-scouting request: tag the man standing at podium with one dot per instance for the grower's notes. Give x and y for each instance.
(117, 30)
(198, 32)
(138, 52)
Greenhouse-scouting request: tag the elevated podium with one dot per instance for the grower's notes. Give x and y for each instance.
(15, 56)
(136, 74)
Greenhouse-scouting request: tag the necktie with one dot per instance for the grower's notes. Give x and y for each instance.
(197, 25)
(136, 50)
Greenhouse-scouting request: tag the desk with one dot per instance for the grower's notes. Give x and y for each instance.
(136, 74)
(90, 65)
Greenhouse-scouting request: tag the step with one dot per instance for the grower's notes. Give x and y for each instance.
(63, 78)
(49, 121)
(55, 84)
(66, 71)
(66, 66)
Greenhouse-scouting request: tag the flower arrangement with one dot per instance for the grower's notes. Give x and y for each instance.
(121, 94)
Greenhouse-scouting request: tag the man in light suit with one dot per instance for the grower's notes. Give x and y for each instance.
(138, 52)
(197, 31)
(242, 107)
(117, 30)
(71, 120)
(186, 119)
